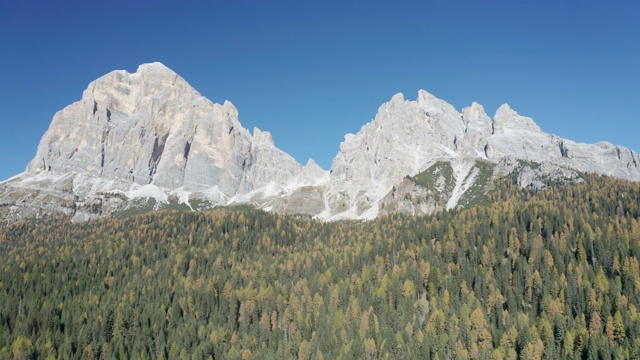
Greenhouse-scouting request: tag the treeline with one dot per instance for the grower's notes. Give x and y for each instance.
(553, 275)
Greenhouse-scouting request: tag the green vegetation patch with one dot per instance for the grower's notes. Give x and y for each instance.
(533, 165)
(136, 207)
(201, 204)
(477, 193)
(146, 205)
(438, 178)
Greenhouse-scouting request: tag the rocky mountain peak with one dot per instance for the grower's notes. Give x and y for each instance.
(262, 137)
(132, 131)
(504, 114)
(475, 115)
(149, 134)
(314, 169)
(401, 140)
(424, 97)
(478, 128)
(155, 67)
(311, 164)
(397, 98)
(507, 118)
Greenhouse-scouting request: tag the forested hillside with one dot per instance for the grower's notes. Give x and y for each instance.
(553, 275)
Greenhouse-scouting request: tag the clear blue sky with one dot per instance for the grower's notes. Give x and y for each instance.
(310, 72)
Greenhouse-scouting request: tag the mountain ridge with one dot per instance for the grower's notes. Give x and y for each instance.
(180, 147)
(413, 135)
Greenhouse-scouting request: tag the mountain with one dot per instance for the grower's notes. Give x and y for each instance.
(148, 139)
(148, 135)
(456, 150)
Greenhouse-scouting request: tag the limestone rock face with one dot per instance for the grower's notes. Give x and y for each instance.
(409, 198)
(478, 127)
(151, 127)
(403, 139)
(407, 137)
(268, 164)
(150, 135)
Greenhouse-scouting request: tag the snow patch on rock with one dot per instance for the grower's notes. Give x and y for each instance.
(148, 192)
(149, 134)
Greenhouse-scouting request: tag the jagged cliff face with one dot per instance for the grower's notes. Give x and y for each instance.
(399, 141)
(151, 127)
(151, 135)
(408, 137)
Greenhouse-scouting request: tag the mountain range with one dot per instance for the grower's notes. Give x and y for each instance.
(149, 140)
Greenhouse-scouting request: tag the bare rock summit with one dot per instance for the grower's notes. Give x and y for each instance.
(149, 139)
(147, 134)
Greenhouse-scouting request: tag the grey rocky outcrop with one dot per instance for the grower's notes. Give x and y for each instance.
(149, 134)
(407, 137)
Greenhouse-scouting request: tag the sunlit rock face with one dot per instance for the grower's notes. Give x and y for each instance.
(407, 137)
(150, 129)
(150, 135)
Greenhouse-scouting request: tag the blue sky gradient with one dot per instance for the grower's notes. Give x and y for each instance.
(311, 71)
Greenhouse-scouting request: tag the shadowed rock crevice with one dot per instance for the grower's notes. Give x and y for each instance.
(102, 157)
(563, 150)
(187, 149)
(103, 148)
(156, 155)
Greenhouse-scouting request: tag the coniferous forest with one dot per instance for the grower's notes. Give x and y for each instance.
(547, 275)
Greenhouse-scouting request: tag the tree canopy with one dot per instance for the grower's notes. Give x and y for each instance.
(551, 275)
